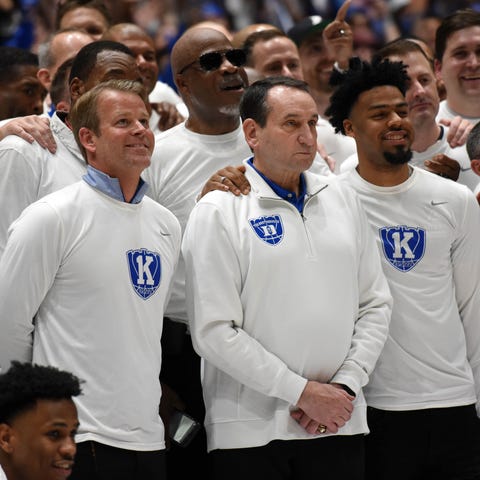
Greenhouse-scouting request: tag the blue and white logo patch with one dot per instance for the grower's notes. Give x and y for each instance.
(268, 228)
(403, 246)
(145, 271)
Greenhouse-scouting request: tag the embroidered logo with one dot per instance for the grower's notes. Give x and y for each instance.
(145, 271)
(403, 246)
(268, 228)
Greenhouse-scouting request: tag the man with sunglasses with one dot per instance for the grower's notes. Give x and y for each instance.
(210, 79)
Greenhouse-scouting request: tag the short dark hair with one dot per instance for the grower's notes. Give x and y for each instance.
(253, 103)
(59, 90)
(473, 143)
(70, 5)
(23, 384)
(458, 20)
(261, 36)
(400, 47)
(360, 77)
(11, 57)
(86, 58)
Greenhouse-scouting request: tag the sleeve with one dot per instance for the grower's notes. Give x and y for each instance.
(466, 275)
(27, 270)
(375, 308)
(214, 282)
(18, 185)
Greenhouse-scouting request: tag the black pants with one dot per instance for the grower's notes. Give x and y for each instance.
(330, 458)
(95, 461)
(438, 443)
(181, 372)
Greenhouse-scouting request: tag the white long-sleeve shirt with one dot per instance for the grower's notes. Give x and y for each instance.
(276, 298)
(96, 274)
(28, 172)
(427, 231)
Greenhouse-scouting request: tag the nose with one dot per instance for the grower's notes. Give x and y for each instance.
(473, 59)
(141, 61)
(286, 72)
(68, 448)
(308, 136)
(417, 88)
(395, 120)
(140, 127)
(227, 65)
(37, 105)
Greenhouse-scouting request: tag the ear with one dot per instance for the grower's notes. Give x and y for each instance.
(77, 89)
(182, 85)
(250, 130)
(475, 164)
(87, 139)
(62, 106)
(348, 127)
(6, 436)
(44, 76)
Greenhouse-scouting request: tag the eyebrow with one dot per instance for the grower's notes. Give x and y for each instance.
(63, 424)
(387, 105)
(297, 115)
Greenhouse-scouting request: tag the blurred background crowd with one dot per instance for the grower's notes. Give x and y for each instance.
(28, 23)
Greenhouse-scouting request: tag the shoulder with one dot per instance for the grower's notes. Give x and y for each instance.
(160, 213)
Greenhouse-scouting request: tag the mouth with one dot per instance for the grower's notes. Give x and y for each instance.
(142, 146)
(307, 153)
(233, 84)
(63, 469)
(397, 137)
(422, 104)
(471, 78)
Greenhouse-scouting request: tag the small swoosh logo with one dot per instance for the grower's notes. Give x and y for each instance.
(437, 203)
(165, 234)
(465, 169)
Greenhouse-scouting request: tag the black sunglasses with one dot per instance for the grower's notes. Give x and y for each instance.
(213, 60)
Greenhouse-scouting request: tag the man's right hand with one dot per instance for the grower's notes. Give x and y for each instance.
(228, 179)
(443, 166)
(169, 402)
(31, 128)
(323, 404)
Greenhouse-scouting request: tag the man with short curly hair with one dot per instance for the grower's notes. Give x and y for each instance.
(425, 386)
(38, 422)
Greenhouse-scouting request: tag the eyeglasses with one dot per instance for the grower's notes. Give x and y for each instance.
(213, 60)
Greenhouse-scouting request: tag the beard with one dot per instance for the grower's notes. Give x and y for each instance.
(399, 157)
(230, 110)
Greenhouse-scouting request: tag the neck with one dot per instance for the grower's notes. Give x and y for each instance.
(322, 100)
(288, 180)
(214, 125)
(465, 107)
(426, 134)
(383, 175)
(129, 187)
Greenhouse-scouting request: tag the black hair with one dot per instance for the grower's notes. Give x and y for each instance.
(86, 58)
(59, 88)
(25, 383)
(261, 36)
(473, 143)
(70, 5)
(253, 103)
(360, 77)
(458, 20)
(400, 47)
(11, 57)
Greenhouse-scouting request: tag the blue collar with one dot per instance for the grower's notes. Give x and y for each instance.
(111, 186)
(291, 197)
